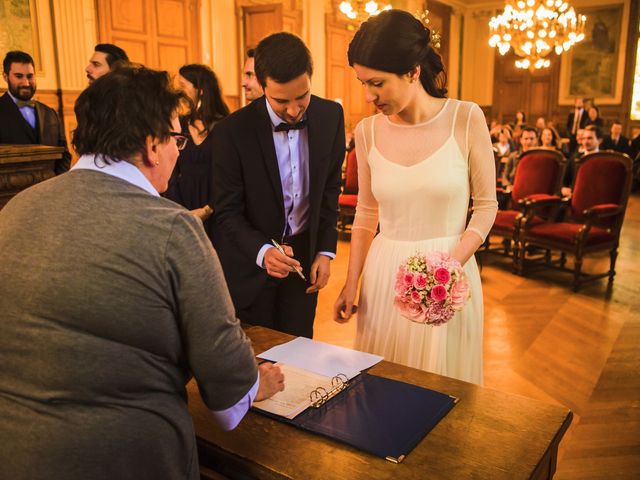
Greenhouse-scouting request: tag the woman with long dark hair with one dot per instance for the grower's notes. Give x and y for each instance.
(419, 161)
(190, 185)
(549, 138)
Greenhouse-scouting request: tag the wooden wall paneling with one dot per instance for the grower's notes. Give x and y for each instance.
(538, 98)
(356, 107)
(127, 24)
(342, 82)
(260, 21)
(158, 33)
(177, 32)
(440, 21)
(292, 22)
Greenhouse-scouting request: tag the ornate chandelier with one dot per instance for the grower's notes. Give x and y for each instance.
(360, 9)
(535, 28)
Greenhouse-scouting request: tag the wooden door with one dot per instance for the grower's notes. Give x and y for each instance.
(342, 83)
(260, 21)
(516, 89)
(163, 34)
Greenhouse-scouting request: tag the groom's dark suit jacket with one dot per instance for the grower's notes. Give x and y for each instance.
(248, 199)
(15, 130)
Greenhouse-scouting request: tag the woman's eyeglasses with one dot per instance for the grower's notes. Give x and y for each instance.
(181, 140)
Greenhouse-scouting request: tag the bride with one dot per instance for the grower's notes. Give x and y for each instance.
(420, 160)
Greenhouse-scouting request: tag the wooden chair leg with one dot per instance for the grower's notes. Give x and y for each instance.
(576, 272)
(519, 260)
(506, 243)
(613, 255)
(563, 259)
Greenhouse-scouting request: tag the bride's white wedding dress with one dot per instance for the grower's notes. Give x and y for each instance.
(416, 180)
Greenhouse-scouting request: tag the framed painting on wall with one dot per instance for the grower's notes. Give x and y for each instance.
(594, 68)
(19, 28)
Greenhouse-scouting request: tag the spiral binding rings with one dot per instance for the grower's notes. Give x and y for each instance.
(320, 396)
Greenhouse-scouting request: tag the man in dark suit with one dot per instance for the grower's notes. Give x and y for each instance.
(616, 141)
(276, 176)
(24, 120)
(576, 120)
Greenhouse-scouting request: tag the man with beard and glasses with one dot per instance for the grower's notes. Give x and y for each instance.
(24, 121)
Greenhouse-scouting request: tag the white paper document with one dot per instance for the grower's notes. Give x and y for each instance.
(298, 385)
(321, 358)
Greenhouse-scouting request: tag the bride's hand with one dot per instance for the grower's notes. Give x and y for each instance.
(344, 306)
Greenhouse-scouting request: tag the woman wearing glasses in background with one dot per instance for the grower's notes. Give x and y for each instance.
(190, 185)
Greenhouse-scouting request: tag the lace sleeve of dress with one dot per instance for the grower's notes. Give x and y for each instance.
(482, 174)
(367, 208)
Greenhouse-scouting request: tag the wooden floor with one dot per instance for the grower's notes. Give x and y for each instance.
(543, 341)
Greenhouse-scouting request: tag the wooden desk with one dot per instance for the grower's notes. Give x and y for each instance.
(24, 165)
(487, 435)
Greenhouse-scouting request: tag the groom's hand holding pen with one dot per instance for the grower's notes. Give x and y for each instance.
(279, 261)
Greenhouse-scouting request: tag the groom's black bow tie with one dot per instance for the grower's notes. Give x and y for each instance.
(285, 127)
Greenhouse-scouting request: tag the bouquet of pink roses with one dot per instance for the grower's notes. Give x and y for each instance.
(430, 288)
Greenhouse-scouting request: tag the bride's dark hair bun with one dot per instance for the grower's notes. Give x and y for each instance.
(395, 41)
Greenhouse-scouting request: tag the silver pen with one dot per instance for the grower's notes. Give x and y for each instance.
(281, 250)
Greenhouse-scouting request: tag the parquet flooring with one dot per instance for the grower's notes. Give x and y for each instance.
(544, 341)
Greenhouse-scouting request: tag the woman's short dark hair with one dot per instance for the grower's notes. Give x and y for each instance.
(117, 112)
(396, 42)
(282, 57)
(209, 106)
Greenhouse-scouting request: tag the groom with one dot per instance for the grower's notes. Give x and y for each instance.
(276, 176)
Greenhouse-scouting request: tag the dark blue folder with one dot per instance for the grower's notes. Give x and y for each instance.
(378, 415)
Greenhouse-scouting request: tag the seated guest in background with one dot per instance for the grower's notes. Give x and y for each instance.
(549, 138)
(190, 184)
(494, 130)
(116, 298)
(589, 143)
(250, 83)
(576, 120)
(528, 140)
(504, 143)
(105, 58)
(24, 121)
(540, 123)
(579, 148)
(276, 176)
(521, 119)
(594, 118)
(616, 141)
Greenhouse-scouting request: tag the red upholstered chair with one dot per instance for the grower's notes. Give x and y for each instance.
(538, 172)
(349, 196)
(591, 219)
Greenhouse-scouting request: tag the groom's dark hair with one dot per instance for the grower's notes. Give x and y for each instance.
(282, 57)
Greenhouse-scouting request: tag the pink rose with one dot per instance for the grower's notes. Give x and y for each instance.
(459, 293)
(438, 293)
(412, 311)
(442, 275)
(415, 297)
(408, 279)
(420, 281)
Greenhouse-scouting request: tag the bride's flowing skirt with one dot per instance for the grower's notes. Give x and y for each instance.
(453, 349)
